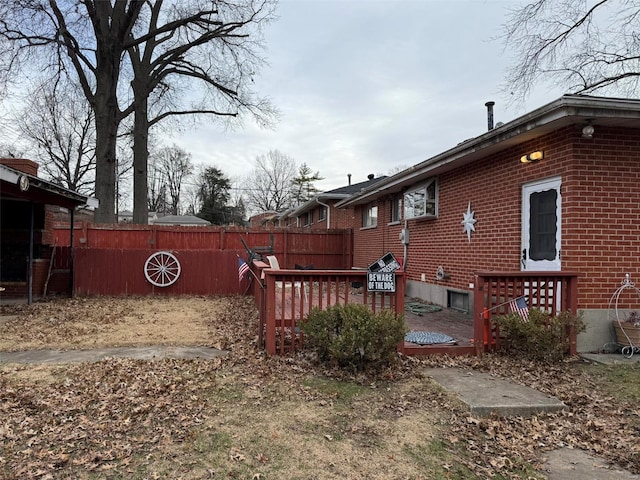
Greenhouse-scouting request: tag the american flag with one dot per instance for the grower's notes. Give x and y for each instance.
(519, 306)
(243, 269)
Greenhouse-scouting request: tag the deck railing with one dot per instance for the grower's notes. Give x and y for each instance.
(553, 292)
(285, 298)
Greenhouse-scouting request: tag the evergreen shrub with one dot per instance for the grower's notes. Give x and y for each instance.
(353, 336)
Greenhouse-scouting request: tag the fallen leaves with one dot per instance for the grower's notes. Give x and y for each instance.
(101, 413)
(119, 415)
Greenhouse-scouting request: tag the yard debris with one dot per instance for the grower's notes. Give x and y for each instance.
(119, 416)
(420, 308)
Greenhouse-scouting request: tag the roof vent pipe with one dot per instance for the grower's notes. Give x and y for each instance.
(349, 177)
(489, 106)
(371, 176)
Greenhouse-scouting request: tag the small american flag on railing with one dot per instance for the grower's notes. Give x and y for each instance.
(519, 305)
(243, 269)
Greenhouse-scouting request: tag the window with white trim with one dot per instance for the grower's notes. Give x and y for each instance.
(322, 213)
(308, 218)
(396, 208)
(370, 216)
(422, 201)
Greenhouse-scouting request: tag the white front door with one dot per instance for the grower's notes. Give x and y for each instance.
(541, 221)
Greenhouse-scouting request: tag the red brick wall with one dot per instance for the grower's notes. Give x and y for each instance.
(337, 218)
(372, 243)
(601, 205)
(21, 289)
(600, 214)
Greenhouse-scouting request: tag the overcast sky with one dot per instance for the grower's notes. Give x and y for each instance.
(366, 86)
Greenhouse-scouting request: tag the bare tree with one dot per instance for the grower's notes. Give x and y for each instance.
(173, 165)
(87, 39)
(157, 187)
(11, 150)
(269, 187)
(84, 39)
(58, 122)
(584, 46)
(194, 46)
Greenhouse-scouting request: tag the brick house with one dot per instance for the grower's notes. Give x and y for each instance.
(320, 212)
(557, 189)
(26, 218)
(264, 219)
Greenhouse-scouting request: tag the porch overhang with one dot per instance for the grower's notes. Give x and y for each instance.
(40, 191)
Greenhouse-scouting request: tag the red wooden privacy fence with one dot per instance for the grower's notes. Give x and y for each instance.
(321, 248)
(110, 259)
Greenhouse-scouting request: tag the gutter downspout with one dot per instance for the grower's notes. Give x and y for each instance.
(328, 212)
(406, 249)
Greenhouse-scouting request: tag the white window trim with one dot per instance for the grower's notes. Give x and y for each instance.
(399, 198)
(424, 187)
(365, 212)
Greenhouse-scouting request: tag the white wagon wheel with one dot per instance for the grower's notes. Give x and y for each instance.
(162, 269)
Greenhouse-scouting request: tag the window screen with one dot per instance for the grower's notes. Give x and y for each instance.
(543, 224)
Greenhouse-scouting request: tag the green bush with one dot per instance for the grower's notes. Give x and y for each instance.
(353, 336)
(541, 338)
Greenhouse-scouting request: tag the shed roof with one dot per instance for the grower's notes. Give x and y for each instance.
(185, 220)
(39, 190)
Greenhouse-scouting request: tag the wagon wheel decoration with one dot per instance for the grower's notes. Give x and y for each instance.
(162, 269)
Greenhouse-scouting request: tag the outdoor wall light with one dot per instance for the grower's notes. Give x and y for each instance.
(587, 130)
(532, 157)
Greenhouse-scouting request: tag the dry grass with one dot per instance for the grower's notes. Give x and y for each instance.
(251, 416)
(111, 322)
(246, 416)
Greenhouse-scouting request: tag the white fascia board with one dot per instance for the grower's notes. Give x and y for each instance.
(8, 175)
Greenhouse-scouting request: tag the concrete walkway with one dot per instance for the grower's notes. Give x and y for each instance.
(485, 394)
(77, 356)
(570, 464)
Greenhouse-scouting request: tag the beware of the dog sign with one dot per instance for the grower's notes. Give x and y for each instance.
(381, 276)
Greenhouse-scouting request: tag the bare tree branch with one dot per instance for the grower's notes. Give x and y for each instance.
(585, 46)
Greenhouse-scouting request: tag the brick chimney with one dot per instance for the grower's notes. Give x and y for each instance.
(22, 164)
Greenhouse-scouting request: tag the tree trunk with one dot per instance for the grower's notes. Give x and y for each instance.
(140, 160)
(106, 137)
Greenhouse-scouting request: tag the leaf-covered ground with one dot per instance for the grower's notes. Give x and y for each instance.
(252, 416)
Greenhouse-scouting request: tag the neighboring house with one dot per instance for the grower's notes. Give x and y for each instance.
(320, 212)
(182, 220)
(126, 216)
(264, 219)
(556, 189)
(26, 241)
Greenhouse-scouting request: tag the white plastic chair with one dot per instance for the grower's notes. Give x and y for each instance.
(275, 265)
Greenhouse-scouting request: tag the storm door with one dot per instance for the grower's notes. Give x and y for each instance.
(541, 221)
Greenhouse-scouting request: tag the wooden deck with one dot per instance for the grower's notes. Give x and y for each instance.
(285, 297)
(456, 324)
